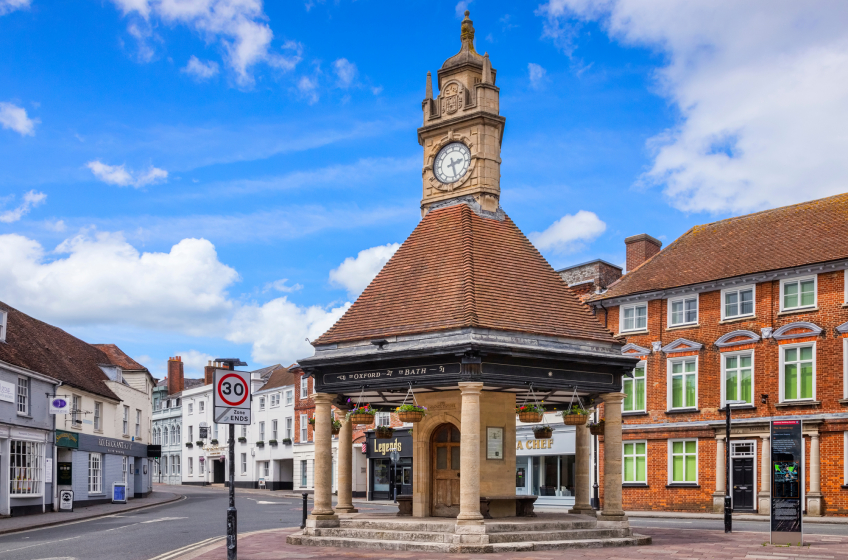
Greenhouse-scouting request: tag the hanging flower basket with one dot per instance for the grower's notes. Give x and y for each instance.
(530, 412)
(543, 432)
(384, 432)
(363, 415)
(411, 412)
(335, 427)
(575, 416)
(597, 428)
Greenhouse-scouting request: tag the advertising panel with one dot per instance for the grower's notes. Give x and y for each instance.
(787, 478)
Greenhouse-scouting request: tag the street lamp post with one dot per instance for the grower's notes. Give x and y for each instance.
(728, 504)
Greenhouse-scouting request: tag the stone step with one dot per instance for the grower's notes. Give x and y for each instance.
(362, 543)
(635, 540)
(398, 525)
(508, 527)
(386, 535)
(568, 535)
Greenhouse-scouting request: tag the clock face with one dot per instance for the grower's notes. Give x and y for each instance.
(452, 162)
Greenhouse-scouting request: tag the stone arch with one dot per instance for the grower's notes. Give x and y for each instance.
(422, 433)
(737, 338)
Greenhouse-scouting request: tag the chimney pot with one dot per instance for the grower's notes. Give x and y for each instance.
(640, 248)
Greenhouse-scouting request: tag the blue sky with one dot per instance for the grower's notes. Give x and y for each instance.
(214, 177)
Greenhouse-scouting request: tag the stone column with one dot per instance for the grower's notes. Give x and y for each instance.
(583, 474)
(720, 476)
(764, 497)
(814, 496)
(469, 459)
(345, 502)
(323, 475)
(612, 510)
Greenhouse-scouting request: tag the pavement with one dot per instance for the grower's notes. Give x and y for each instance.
(37, 521)
(667, 543)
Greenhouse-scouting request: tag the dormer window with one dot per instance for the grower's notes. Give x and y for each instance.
(4, 315)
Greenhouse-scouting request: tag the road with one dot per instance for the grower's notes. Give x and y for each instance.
(145, 534)
(738, 526)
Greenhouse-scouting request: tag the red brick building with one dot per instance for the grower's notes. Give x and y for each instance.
(752, 308)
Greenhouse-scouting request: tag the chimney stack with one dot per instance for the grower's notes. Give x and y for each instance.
(640, 248)
(176, 377)
(209, 373)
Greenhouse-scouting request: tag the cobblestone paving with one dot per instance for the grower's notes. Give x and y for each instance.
(668, 543)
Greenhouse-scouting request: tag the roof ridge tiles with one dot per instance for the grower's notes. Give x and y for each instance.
(468, 286)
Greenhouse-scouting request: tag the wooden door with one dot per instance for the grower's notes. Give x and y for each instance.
(743, 484)
(445, 485)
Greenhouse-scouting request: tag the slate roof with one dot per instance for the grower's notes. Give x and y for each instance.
(279, 378)
(118, 357)
(786, 237)
(458, 269)
(266, 372)
(45, 349)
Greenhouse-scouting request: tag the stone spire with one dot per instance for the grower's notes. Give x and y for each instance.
(428, 94)
(487, 70)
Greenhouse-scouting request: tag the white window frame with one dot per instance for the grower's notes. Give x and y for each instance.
(845, 284)
(635, 328)
(126, 420)
(275, 400)
(289, 397)
(191, 408)
(845, 369)
(4, 321)
(26, 468)
(383, 419)
(798, 345)
(685, 323)
(753, 313)
(165, 440)
(137, 423)
(304, 428)
(200, 406)
(738, 354)
(98, 416)
(262, 431)
(799, 279)
(243, 431)
(178, 431)
(261, 403)
(244, 463)
(304, 387)
(671, 481)
(177, 466)
(191, 466)
(201, 467)
(76, 410)
(304, 474)
(190, 438)
(125, 464)
(274, 432)
(643, 364)
(669, 389)
(289, 433)
(845, 457)
(95, 473)
(635, 455)
(266, 468)
(22, 398)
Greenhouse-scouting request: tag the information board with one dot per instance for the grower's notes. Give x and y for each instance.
(494, 443)
(231, 397)
(787, 477)
(119, 493)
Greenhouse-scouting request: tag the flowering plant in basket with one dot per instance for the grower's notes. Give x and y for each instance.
(530, 412)
(335, 426)
(384, 432)
(362, 414)
(575, 416)
(543, 432)
(411, 412)
(597, 428)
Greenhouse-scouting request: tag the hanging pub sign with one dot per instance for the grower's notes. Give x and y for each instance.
(787, 445)
(59, 405)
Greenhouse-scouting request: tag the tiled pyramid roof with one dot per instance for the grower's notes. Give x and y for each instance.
(458, 269)
(797, 235)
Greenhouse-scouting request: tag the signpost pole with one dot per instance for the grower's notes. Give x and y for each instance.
(728, 511)
(232, 513)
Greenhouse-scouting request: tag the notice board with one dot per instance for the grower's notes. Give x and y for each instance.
(787, 478)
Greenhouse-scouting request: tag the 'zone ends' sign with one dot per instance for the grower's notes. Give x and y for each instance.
(232, 397)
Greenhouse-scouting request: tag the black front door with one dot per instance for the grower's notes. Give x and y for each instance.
(743, 483)
(218, 472)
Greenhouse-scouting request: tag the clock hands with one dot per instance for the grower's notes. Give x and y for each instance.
(453, 164)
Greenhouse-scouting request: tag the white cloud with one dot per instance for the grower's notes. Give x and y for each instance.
(762, 104)
(238, 25)
(31, 200)
(308, 88)
(7, 6)
(355, 273)
(345, 72)
(15, 118)
(99, 278)
(118, 175)
(537, 75)
(199, 69)
(461, 6)
(282, 286)
(570, 233)
(193, 362)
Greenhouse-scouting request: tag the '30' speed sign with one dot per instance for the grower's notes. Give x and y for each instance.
(232, 397)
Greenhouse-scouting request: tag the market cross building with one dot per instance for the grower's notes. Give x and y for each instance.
(469, 315)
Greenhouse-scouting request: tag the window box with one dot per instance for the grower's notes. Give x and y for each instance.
(260, 444)
(633, 318)
(272, 442)
(798, 293)
(189, 444)
(242, 440)
(213, 441)
(287, 441)
(683, 311)
(199, 443)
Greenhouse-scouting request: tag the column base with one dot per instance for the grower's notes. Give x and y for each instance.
(764, 503)
(814, 504)
(718, 502)
(469, 519)
(584, 510)
(345, 509)
(612, 516)
(322, 521)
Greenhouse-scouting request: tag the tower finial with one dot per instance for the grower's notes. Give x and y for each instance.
(428, 94)
(487, 70)
(467, 32)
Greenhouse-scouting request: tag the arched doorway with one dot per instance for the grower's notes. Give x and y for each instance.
(444, 450)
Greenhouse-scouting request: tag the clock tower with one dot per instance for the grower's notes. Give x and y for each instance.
(462, 132)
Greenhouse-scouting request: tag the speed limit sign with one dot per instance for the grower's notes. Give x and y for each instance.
(232, 397)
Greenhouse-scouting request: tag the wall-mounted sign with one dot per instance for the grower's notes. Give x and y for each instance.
(7, 391)
(66, 500)
(562, 443)
(495, 443)
(787, 478)
(119, 493)
(154, 451)
(380, 449)
(48, 470)
(67, 439)
(64, 474)
(391, 373)
(59, 405)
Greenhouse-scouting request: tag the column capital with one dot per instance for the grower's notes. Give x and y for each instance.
(470, 387)
(814, 435)
(613, 398)
(323, 398)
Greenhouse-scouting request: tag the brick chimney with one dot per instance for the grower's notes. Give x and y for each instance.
(209, 373)
(641, 248)
(176, 378)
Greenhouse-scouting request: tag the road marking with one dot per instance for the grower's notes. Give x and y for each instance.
(188, 548)
(39, 544)
(164, 519)
(274, 503)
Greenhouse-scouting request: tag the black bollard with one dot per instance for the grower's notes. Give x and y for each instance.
(303, 522)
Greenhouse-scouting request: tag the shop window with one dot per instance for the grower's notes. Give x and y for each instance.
(683, 311)
(635, 389)
(95, 473)
(23, 395)
(635, 461)
(738, 373)
(684, 461)
(634, 317)
(798, 372)
(25, 466)
(683, 388)
(98, 416)
(737, 302)
(798, 293)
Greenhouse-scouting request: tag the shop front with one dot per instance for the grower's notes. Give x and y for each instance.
(27, 459)
(383, 474)
(545, 467)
